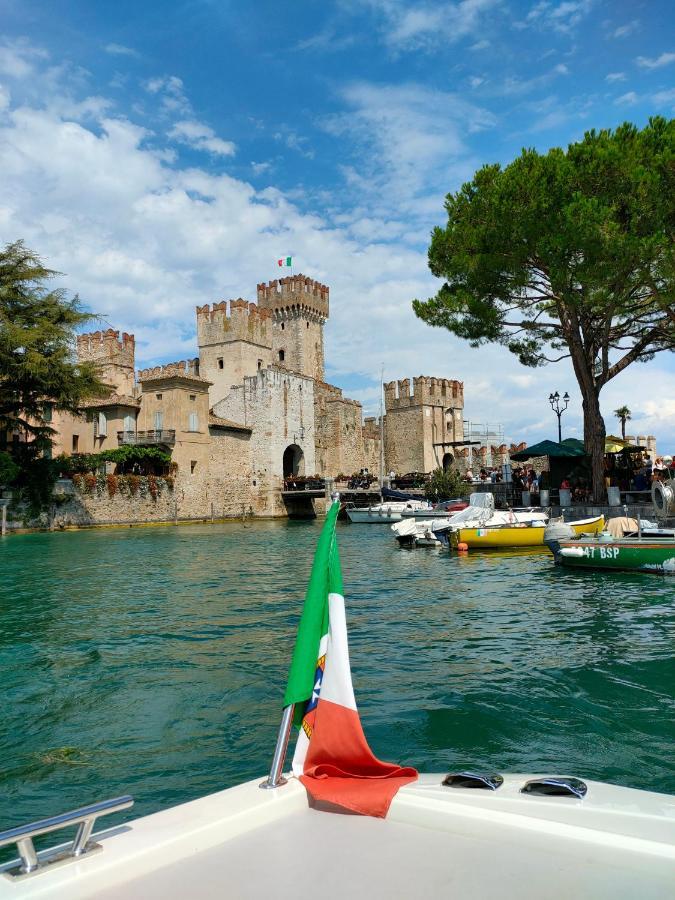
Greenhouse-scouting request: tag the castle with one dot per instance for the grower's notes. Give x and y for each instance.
(253, 408)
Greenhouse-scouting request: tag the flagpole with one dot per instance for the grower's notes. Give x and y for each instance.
(275, 779)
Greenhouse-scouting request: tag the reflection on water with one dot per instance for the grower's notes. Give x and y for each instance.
(152, 661)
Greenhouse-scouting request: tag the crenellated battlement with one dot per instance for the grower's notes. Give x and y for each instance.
(114, 357)
(297, 295)
(425, 390)
(104, 345)
(237, 320)
(184, 368)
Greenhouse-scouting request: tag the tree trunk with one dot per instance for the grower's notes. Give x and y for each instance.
(623, 428)
(594, 441)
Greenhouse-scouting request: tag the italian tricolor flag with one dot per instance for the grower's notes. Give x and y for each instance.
(285, 261)
(332, 757)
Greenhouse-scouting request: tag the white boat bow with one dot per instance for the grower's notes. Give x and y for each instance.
(436, 841)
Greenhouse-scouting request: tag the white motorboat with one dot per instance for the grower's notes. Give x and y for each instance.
(437, 841)
(384, 513)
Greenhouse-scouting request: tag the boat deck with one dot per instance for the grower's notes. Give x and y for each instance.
(436, 842)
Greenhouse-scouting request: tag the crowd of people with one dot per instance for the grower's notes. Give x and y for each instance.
(636, 471)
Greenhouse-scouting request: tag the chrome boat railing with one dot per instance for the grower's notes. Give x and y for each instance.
(85, 817)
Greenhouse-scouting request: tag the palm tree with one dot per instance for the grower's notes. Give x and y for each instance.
(623, 413)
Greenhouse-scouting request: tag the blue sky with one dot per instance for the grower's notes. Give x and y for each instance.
(164, 155)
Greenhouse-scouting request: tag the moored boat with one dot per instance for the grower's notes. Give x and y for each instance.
(383, 513)
(646, 554)
(524, 533)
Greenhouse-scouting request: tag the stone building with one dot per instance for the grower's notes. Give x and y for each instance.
(253, 409)
(423, 427)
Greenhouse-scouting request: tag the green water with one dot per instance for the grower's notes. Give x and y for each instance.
(152, 661)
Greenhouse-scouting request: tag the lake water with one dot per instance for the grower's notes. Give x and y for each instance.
(152, 661)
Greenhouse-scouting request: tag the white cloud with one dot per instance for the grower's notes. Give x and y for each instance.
(480, 45)
(625, 30)
(120, 50)
(475, 81)
(656, 62)
(170, 89)
(200, 137)
(411, 140)
(615, 76)
(664, 98)
(294, 141)
(627, 99)
(413, 26)
(261, 167)
(18, 58)
(562, 17)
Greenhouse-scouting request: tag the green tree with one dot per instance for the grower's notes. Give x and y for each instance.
(38, 371)
(623, 414)
(569, 254)
(444, 484)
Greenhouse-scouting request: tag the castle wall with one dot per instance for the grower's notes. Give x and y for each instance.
(279, 408)
(340, 443)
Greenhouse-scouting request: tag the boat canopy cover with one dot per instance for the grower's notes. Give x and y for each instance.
(566, 450)
(390, 494)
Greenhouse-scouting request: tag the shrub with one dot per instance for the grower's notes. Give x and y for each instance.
(111, 481)
(153, 487)
(134, 484)
(444, 484)
(89, 483)
(170, 482)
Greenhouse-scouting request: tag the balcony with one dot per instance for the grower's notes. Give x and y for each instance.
(165, 438)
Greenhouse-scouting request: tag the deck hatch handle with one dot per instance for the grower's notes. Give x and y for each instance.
(478, 780)
(556, 787)
(31, 863)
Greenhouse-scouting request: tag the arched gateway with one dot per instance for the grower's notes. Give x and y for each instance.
(294, 461)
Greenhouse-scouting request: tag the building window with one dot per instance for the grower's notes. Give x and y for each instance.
(193, 424)
(102, 425)
(193, 466)
(282, 355)
(129, 423)
(220, 362)
(48, 410)
(259, 364)
(76, 442)
(308, 324)
(193, 396)
(158, 396)
(282, 326)
(159, 420)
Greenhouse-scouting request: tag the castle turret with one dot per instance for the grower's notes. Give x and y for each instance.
(424, 423)
(233, 343)
(299, 309)
(114, 357)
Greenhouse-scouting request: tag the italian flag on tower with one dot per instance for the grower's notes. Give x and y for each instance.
(332, 757)
(285, 261)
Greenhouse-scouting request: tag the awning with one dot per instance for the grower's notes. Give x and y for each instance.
(553, 450)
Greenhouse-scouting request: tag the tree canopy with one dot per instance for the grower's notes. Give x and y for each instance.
(568, 254)
(38, 369)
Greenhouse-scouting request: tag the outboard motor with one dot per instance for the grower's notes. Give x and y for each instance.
(556, 532)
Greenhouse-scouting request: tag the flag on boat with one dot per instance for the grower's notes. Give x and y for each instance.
(285, 261)
(332, 757)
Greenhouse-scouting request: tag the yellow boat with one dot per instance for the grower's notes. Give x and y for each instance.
(520, 534)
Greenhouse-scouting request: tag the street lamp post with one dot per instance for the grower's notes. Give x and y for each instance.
(554, 400)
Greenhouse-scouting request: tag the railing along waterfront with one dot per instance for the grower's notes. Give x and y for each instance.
(140, 438)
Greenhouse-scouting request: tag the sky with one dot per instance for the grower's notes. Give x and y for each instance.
(165, 155)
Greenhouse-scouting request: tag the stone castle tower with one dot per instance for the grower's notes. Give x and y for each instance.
(114, 356)
(299, 309)
(423, 427)
(284, 329)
